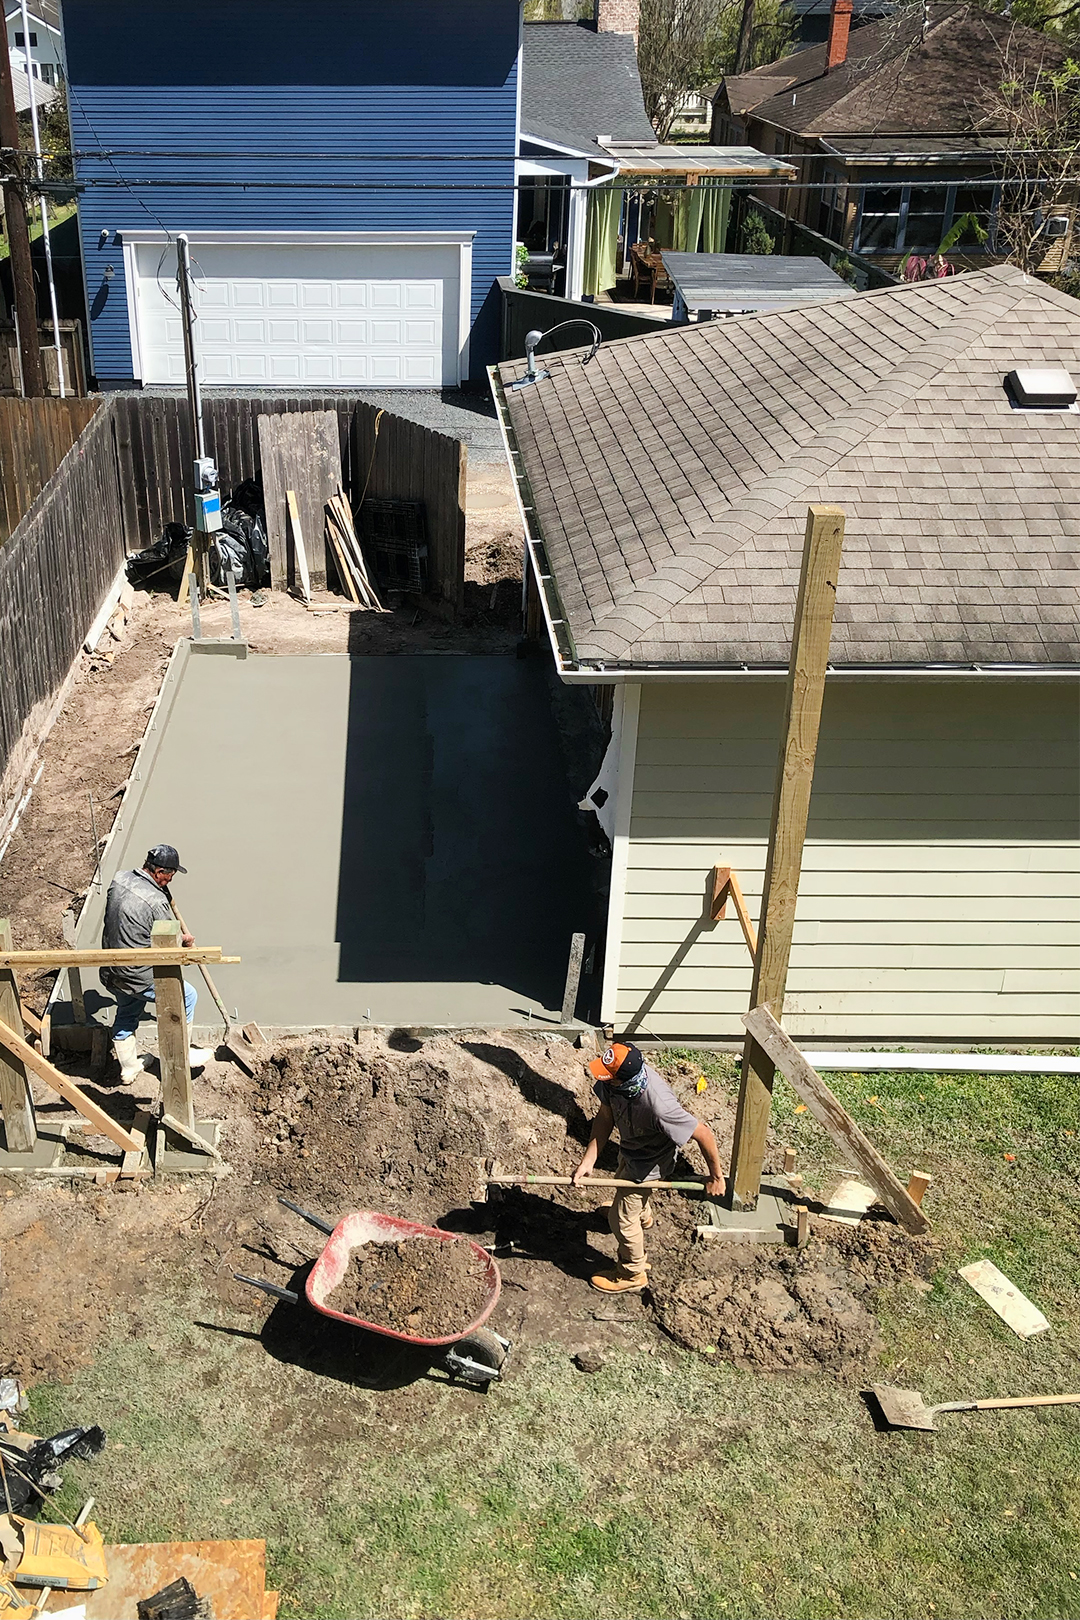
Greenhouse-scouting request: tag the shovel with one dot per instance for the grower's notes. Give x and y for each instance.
(906, 1409)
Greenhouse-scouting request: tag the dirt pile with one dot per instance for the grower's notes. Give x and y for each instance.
(356, 1124)
(780, 1308)
(422, 1286)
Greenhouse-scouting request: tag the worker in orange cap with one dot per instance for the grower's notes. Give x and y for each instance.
(653, 1125)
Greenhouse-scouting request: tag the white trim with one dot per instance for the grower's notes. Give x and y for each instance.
(131, 283)
(302, 238)
(599, 156)
(463, 240)
(628, 700)
(464, 306)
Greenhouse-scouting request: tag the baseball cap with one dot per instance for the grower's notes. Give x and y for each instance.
(165, 856)
(617, 1064)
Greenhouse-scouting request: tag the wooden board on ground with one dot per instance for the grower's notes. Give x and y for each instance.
(298, 450)
(850, 1202)
(1005, 1298)
(834, 1118)
(299, 552)
(232, 1574)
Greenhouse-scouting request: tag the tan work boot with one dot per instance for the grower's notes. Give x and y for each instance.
(127, 1055)
(609, 1282)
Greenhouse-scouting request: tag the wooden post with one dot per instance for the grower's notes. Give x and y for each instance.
(20, 1126)
(172, 1029)
(791, 805)
(573, 978)
(917, 1185)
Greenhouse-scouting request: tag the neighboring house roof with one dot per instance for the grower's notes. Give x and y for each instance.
(43, 11)
(670, 479)
(44, 94)
(740, 282)
(578, 87)
(896, 76)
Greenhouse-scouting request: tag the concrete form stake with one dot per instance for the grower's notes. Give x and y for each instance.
(234, 605)
(193, 592)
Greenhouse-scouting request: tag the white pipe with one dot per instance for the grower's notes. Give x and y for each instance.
(940, 1062)
(46, 242)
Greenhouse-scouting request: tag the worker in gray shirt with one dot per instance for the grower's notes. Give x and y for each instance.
(135, 902)
(653, 1125)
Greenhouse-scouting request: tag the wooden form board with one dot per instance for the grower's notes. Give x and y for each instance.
(810, 641)
(299, 550)
(834, 1118)
(16, 1102)
(298, 451)
(172, 1030)
(117, 958)
(97, 1117)
(1005, 1298)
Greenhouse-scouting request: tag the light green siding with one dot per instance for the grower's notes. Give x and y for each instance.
(940, 896)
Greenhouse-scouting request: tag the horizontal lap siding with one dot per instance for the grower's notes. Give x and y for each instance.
(413, 195)
(940, 896)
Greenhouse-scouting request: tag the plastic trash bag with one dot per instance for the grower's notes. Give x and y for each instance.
(161, 564)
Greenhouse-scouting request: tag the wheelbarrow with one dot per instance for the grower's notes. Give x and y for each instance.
(475, 1354)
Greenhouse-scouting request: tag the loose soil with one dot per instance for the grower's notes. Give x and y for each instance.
(421, 1286)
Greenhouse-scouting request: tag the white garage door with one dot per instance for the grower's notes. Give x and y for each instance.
(312, 316)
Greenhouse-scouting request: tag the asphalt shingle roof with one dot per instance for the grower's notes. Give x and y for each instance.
(577, 85)
(671, 475)
(896, 77)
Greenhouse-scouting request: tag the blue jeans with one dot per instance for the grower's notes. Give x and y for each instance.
(130, 1009)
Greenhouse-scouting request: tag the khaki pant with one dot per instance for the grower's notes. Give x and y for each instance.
(627, 1208)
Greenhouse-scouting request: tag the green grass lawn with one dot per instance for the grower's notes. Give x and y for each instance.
(57, 215)
(666, 1484)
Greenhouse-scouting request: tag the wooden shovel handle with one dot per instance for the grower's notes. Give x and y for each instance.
(1027, 1400)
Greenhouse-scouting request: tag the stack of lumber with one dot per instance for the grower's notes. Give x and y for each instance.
(352, 569)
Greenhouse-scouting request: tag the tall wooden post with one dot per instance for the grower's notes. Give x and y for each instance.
(18, 234)
(20, 1125)
(787, 833)
(172, 1028)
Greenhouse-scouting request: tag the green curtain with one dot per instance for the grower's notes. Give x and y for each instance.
(701, 216)
(716, 205)
(602, 238)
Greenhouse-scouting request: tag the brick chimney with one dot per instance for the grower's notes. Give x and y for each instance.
(839, 28)
(621, 16)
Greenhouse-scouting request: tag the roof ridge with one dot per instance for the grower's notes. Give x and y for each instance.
(717, 542)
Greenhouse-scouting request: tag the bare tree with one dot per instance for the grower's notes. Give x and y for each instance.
(1037, 108)
(677, 53)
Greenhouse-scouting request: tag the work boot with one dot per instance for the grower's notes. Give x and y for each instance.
(609, 1282)
(127, 1055)
(199, 1056)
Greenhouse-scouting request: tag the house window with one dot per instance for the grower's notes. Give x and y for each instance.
(47, 72)
(20, 39)
(925, 218)
(833, 207)
(879, 223)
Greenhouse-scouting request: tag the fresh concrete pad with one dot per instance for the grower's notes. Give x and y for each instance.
(46, 1154)
(767, 1223)
(386, 839)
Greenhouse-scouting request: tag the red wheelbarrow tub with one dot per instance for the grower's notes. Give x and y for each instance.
(368, 1226)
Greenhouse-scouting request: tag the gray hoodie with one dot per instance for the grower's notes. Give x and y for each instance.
(132, 907)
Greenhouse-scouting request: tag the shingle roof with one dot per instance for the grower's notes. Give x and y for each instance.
(577, 85)
(670, 479)
(895, 78)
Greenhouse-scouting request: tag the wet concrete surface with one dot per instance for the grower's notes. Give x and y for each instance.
(383, 838)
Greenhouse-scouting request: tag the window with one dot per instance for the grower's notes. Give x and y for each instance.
(47, 72)
(917, 218)
(20, 39)
(833, 208)
(879, 222)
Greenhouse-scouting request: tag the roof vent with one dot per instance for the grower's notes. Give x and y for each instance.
(1041, 389)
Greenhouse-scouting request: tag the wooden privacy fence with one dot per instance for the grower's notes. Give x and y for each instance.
(35, 436)
(55, 572)
(396, 458)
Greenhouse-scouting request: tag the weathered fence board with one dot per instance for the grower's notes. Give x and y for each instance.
(55, 572)
(35, 436)
(299, 451)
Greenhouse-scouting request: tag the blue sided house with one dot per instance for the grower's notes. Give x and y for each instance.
(344, 173)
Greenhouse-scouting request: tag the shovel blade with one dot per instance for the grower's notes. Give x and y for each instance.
(903, 1408)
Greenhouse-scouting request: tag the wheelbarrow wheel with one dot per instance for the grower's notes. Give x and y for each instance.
(483, 1346)
(478, 1357)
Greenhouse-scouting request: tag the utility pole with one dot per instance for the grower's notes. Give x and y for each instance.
(18, 234)
(206, 493)
(45, 237)
(787, 834)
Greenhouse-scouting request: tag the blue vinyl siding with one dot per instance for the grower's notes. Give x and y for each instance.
(259, 156)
